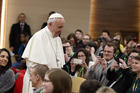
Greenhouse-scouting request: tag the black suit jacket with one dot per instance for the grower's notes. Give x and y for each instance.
(124, 82)
(14, 38)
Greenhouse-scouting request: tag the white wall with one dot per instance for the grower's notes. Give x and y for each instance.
(76, 13)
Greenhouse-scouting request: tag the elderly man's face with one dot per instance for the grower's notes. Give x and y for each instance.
(108, 52)
(57, 26)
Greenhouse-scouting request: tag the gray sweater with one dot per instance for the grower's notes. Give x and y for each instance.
(7, 81)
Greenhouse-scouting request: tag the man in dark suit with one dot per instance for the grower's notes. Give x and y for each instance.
(20, 27)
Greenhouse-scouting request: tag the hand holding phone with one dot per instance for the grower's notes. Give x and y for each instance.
(77, 61)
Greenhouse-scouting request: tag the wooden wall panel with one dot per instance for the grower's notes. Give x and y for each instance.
(114, 15)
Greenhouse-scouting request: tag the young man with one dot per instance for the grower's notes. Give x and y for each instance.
(37, 74)
(98, 71)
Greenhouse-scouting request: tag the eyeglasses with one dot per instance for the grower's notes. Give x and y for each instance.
(85, 38)
(81, 55)
(46, 80)
(67, 46)
(131, 57)
(108, 51)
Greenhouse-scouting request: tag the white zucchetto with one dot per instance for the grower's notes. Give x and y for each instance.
(56, 15)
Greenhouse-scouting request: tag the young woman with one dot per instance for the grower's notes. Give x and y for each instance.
(80, 69)
(135, 86)
(6, 74)
(57, 81)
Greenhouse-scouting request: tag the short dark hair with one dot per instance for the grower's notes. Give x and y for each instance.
(110, 44)
(106, 31)
(85, 52)
(79, 30)
(40, 70)
(66, 41)
(52, 12)
(89, 86)
(72, 35)
(91, 44)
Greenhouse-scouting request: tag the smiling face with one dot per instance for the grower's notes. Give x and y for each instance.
(108, 52)
(85, 39)
(136, 66)
(131, 56)
(81, 56)
(79, 35)
(4, 58)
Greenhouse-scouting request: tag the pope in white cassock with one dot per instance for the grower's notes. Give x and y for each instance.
(45, 47)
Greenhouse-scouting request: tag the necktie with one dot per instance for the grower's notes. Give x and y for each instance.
(22, 27)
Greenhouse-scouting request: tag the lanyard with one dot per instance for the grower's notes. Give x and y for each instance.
(135, 86)
(81, 71)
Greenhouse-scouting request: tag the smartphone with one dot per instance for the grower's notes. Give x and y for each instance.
(101, 55)
(117, 59)
(77, 61)
(64, 49)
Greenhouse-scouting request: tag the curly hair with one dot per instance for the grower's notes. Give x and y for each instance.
(3, 69)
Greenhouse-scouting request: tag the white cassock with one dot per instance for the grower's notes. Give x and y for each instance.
(42, 48)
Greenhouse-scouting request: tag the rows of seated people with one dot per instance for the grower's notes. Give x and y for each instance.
(104, 61)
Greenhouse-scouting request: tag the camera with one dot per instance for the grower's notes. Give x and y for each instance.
(117, 59)
(64, 49)
(101, 55)
(77, 61)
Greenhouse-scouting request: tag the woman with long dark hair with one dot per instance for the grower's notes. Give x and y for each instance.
(7, 77)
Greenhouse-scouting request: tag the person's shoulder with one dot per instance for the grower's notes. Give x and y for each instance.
(27, 24)
(10, 71)
(38, 34)
(15, 24)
